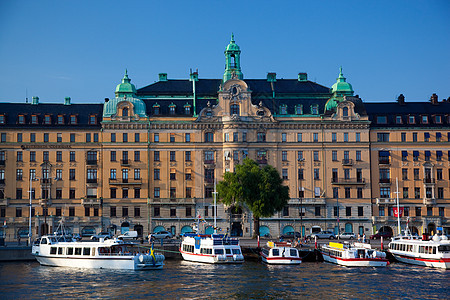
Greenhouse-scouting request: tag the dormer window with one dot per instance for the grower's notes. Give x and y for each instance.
(398, 120)
(299, 109)
(187, 109)
(411, 120)
(315, 109)
(424, 119)
(438, 119)
(73, 119)
(381, 120)
(92, 119)
(2, 119)
(47, 120)
(60, 120)
(125, 112)
(34, 119)
(234, 109)
(172, 109)
(21, 119)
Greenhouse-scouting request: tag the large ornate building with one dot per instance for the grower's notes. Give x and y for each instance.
(148, 159)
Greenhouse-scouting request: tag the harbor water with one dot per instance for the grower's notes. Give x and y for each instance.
(250, 280)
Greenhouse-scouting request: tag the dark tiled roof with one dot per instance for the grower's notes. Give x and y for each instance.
(417, 109)
(13, 110)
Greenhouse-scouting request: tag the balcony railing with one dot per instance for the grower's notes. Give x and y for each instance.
(348, 181)
(209, 162)
(429, 180)
(261, 161)
(125, 162)
(118, 181)
(429, 201)
(308, 201)
(384, 180)
(90, 201)
(209, 180)
(91, 162)
(2, 181)
(46, 180)
(383, 161)
(91, 180)
(347, 162)
(383, 201)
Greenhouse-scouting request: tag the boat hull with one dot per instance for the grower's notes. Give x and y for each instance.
(443, 263)
(106, 262)
(212, 259)
(355, 262)
(281, 260)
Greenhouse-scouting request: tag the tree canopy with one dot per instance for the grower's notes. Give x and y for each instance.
(261, 190)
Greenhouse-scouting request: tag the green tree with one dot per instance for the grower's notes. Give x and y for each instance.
(259, 189)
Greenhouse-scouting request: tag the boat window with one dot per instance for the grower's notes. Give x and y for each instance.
(77, 251)
(86, 251)
(434, 250)
(60, 250)
(275, 252)
(228, 251)
(236, 251)
(70, 251)
(293, 252)
(444, 248)
(44, 241)
(52, 250)
(218, 251)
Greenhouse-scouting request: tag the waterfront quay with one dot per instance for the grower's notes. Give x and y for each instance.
(170, 249)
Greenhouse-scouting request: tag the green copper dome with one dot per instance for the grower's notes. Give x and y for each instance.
(126, 88)
(110, 107)
(341, 87)
(232, 45)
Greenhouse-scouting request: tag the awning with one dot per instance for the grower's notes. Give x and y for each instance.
(427, 153)
(415, 153)
(427, 135)
(383, 153)
(404, 153)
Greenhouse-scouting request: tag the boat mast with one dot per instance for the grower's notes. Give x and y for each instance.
(398, 208)
(215, 207)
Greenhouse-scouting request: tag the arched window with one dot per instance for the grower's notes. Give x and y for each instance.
(234, 109)
(345, 111)
(232, 61)
(125, 112)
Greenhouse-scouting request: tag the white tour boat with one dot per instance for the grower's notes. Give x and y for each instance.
(414, 250)
(353, 255)
(61, 251)
(211, 248)
(281, 253)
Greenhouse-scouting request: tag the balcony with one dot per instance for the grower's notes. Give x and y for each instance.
(347, 162)
(45, 202)
(128, 181)
(236, 217)
(90, 201)
(46, 181)
(383, 201)
(209, 162)
(429, 201)
(4, 201)
(173, 200)
(383, 161)
(348, 181)
(385, 180)
(125, 162)
(91, 180)
(209, 180)
(308, 201)
(91, 162)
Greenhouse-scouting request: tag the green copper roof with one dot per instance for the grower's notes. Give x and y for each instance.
(126, 87)
(341, 86)
(232, 45)
(110, 107)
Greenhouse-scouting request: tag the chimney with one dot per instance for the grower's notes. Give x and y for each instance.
(106, 100)
(193, 76)
(271, 77)
(401, 99)
(434, 99)
(35, 101)
(67, 101)
(302, 77)
(162, 76)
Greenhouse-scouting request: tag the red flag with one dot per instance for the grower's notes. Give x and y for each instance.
(399, 212)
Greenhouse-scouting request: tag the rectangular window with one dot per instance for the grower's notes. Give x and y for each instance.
(156, 192)
(113, 137)
(284, 173)
(334, 155)
(72, 156)
(87, 211)
(156, 174)
(416, 174)
(95, 137)
(347, 191)
(358, 137)
(172, 156)
(137, 156)
(414, 136)
(439, 174)
(335, 192)
(404, 174)
(244, 136)
(59, 156)
(71, 211)
(300, 156)
(261, 137)
(125, 137)
(71, 193)
(18, 193)
(59, 137)
(381, 120)
(359, 193)
(137, 211)
(112, 211)
(345, 136)
(403, 136)
(404, 155)
(235, 137)
(19, 137)
(19, 156)
(45, 156)
(187, 156)
(315, 137)
(188, 211)
(405, 192)
(335, 211)
(187, 137)
(113, 193)
(299, 137)
(173, 174)
(124, 211)
(71, 174)
(173, 212)
(88, 137)
(383, 137)
(360, 211)
(316, 155)
(137, 137)
(58, 174)
(417, 192)
(418, 211)
(46, 137)
(172, 137)
(209, 137)
(156, 156)
(348, 211)
(316, 174)
(188, 175)
(300, 174)
(333, 137)
(284, 155)
(398, 119)
(156, 138)
(358, 155)
(156, 211)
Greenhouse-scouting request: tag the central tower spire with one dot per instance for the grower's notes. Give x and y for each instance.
(232, 61)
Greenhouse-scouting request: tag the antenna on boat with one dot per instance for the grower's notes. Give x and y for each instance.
(215, 207)
(398, 209)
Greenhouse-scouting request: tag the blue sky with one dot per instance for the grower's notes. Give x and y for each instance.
(80, 49)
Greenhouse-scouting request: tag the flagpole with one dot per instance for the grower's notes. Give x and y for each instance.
(215, 207)
(398, 208)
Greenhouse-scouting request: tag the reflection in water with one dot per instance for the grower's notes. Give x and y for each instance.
(180, 279)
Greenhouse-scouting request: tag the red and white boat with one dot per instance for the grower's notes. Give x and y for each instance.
(353, 255)
(281, 253)
(414, 250)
